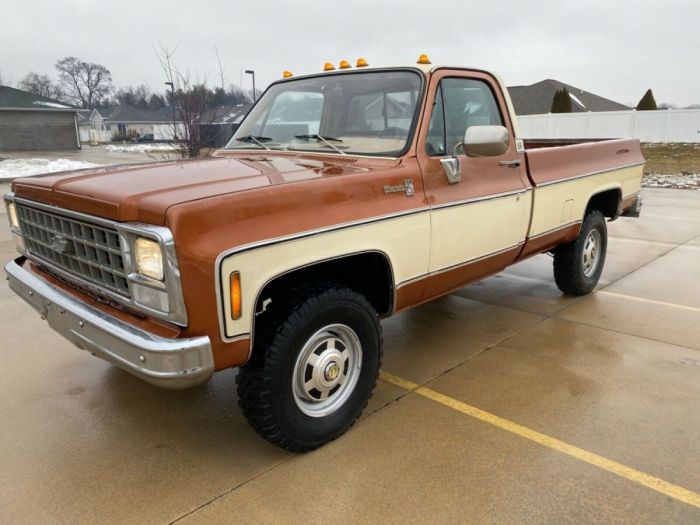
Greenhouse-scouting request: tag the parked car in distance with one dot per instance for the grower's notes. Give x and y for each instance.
(344, 197)
(146, 137)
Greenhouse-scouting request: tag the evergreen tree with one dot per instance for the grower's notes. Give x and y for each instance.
(561, 103)
(647, 102)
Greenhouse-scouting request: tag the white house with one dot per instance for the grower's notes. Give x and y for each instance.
(116, 123)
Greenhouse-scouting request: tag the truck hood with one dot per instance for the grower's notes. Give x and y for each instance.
(144, 192)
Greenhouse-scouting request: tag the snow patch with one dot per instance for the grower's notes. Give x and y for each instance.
(141, 148)
(50, 104)
(14, 168)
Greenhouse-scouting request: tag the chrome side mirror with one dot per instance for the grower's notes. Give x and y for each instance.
(486, 141)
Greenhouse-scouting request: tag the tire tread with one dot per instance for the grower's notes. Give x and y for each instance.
(255, 378)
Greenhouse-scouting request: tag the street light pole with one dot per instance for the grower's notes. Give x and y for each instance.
(172, 101)
(252, 72)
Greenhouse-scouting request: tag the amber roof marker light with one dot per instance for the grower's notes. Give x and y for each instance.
(328, 66)
(423, 59)
(344, 64)
(361, 62)
(287, 74)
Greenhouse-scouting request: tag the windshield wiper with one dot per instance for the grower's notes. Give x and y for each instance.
(255, 140)
(325, 140)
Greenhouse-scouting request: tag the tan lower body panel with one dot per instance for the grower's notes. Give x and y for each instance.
(405, 240)
(468, 232)
(562, 203)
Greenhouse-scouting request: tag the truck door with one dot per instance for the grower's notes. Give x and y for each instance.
(479, 224)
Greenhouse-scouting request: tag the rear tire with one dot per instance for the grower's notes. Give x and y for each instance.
(578, 264)
(315, 364)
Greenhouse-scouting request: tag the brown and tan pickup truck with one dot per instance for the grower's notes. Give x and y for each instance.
(343, 198)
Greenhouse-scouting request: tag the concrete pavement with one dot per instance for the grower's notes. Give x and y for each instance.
(615, 375)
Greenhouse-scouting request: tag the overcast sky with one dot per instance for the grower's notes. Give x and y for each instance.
(616, 49)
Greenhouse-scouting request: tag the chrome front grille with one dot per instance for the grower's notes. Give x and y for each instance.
(85, 250)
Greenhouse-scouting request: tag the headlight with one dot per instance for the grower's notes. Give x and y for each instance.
(12, 215)
(149, 258)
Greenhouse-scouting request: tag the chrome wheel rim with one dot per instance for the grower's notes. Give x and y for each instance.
(326, 370)
(591, 253)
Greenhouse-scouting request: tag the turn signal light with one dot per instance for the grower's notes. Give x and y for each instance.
(361, 62)
(236, 297)
(344, 64)
(423, 59)
(286, 74)
(328, 66)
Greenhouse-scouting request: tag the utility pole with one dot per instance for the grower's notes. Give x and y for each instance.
(172, 100)
(251, 72)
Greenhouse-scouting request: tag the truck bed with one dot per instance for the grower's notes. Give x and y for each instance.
(557, 160)
(567, 175)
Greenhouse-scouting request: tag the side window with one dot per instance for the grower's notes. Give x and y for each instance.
(465, 102)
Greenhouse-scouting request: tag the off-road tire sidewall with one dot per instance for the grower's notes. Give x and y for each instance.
(291, 419)
(568, 258)
(265, 384)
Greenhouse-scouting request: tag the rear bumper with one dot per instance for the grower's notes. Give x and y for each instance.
(635, 209)
(167, 363)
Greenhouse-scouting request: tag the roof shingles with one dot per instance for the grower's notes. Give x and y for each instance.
(536, 99)
(16, 98)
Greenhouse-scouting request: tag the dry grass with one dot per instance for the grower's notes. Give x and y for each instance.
(667, 159)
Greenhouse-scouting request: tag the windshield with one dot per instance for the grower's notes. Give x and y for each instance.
(363, 113)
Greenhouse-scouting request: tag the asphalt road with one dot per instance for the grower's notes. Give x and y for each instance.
(504, 402)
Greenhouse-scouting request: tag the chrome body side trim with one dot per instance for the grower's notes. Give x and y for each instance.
(481, 199)
(460, 265)
(167, 363)
(589, 174)
(555, 229)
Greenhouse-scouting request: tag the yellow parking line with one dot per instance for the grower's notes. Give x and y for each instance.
(654, 483)
(651, 301)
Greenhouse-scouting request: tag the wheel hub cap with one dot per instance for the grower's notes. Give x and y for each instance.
(326, 370)
(332, 371)
(591, 253)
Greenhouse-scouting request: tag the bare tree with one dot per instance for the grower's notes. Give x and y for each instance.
(192, 101)
(40, 85)
(134, 96)
(84, 83)
(221, 68)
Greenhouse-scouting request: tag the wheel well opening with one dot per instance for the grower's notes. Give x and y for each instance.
(369, 274)
(607, 202)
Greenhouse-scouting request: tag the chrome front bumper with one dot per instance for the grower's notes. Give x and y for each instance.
(168, 363)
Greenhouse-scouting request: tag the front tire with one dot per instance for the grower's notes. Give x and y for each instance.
(315, 364)
(578, 264)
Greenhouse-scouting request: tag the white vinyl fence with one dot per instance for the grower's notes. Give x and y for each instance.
(165, 131)
(670, 125)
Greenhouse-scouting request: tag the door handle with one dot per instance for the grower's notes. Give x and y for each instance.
(510, 163)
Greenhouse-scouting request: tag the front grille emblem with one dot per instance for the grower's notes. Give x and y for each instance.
(61, 245)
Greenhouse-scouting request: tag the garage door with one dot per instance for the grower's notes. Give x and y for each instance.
(37, 130)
